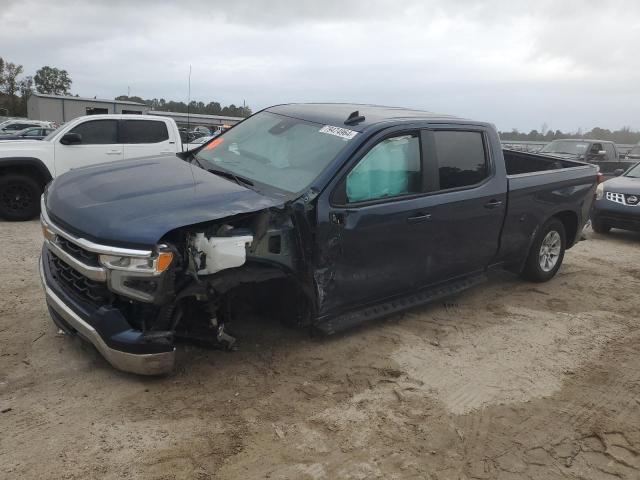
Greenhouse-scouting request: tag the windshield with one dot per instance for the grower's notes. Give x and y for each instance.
(633, 172)
(283, 152)
(564, 146)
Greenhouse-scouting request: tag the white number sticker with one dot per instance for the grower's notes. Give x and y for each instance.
(339, 132)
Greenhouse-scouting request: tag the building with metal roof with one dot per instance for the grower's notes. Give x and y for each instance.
(62, 108)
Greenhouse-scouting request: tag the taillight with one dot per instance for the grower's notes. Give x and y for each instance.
(599, 177)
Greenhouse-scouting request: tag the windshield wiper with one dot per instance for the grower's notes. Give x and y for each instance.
(224, 173)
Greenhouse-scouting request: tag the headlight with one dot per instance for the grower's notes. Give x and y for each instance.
(600, 191)
(47, 233)
(142, 265)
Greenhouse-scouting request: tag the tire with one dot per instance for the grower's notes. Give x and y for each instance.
(19, 197)
(599, 227)
(547, 252)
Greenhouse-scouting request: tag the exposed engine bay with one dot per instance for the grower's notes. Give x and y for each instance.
(247, 262)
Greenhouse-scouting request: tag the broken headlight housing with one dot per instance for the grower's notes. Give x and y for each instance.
(142, 265)
(134, 277)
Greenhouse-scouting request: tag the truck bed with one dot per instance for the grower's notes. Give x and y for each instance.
(518, 163)
(540, 187)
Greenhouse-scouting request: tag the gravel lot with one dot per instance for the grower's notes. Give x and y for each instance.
(509, 380)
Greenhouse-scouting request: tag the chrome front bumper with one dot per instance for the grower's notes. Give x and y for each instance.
(142, 364)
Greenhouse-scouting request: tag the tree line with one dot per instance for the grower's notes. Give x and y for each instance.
(15, 88)
(623, 135)
(211, 108)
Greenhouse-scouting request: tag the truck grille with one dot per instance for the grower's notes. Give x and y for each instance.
(77, 284)
(85, 256)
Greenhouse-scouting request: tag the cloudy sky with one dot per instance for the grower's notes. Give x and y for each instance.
(520, 64)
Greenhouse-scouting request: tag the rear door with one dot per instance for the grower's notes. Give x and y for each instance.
(99, 145)
(143, 138)
(468, 202)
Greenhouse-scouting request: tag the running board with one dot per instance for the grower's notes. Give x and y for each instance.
(348, 320)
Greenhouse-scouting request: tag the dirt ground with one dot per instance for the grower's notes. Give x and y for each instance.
(509, 380)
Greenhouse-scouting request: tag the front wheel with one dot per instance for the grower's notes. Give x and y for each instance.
(19, 197)
(547, 252)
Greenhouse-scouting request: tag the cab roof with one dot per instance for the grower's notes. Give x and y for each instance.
(337, 113)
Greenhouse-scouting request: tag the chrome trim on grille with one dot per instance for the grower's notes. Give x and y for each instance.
(88, 244)
(142, 364)
(620, 198)
(97, 274)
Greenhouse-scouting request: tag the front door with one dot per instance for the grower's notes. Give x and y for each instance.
(99, 144)
(377, 233)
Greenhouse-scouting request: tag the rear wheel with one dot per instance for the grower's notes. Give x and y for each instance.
(19, 197)
(599, 227)
(547, 252)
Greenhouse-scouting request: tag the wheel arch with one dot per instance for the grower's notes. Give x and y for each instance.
(31, 166)
(569, 220)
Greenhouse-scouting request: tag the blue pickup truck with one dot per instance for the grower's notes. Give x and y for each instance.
(323, 215)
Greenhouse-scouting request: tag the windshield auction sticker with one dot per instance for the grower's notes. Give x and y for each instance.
(338, 132)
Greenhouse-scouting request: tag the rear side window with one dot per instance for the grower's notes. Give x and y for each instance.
(143, 131)
(98, 132)
(611, 153)
(390, 169)
(461, 158)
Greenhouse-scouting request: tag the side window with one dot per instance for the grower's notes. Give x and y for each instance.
(461, 158)
(389, 169)
(97, 132)
(33, 133)
(143, 131)
(595, 148)
(611, 153)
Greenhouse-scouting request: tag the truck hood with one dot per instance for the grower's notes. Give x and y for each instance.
(136, 202)
(623, 185)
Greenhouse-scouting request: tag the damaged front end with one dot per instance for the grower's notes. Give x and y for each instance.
(133, 305)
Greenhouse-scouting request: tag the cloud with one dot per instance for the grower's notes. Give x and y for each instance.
(518, 64)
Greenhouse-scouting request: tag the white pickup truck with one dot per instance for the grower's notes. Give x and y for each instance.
(27, 166)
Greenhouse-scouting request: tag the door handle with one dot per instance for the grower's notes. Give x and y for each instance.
(114, 152)
(421, 217)
(493, 204)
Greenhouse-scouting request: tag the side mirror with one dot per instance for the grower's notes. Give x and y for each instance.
(618, 171)
(71, 139)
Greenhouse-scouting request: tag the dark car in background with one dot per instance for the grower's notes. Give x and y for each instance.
(633, 155)
(31, 133)
(602, 153)
(617, 203)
